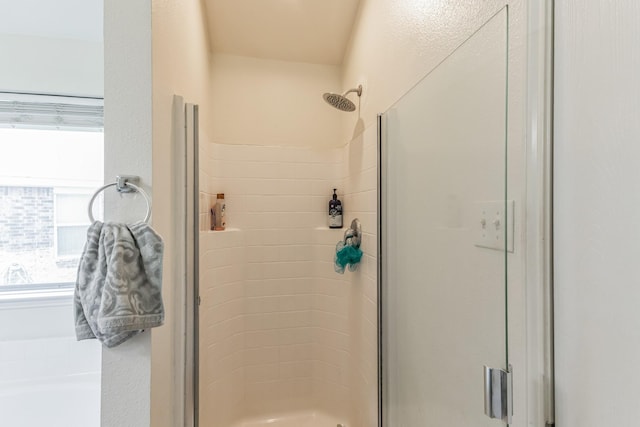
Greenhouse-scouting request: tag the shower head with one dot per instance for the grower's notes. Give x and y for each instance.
(341, 102)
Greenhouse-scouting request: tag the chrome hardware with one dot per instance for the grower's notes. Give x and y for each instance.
(353, 234)
(498, 394)
(124, 184)
(123, 180)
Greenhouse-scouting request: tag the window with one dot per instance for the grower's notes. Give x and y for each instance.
(51, 161)
(71, 222)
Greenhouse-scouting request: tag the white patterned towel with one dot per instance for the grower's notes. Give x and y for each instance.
(118, 289)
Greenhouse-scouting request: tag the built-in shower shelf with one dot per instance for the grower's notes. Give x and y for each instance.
(226, 230)
(337, 230)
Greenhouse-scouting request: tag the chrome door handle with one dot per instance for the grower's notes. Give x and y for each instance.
(498, 394)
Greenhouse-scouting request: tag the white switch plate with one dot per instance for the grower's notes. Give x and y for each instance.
(490, 223)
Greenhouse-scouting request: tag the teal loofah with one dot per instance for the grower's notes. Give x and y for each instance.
(346, 255)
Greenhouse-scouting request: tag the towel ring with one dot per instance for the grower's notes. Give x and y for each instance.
(115, 184)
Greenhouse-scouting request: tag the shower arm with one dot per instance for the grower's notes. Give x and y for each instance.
(357, 90)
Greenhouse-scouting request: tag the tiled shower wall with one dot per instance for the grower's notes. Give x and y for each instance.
(222, 340)
(298, 336)
(332, 341)
(360, 184)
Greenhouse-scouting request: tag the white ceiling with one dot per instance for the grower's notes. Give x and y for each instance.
(315, 31)
(68, 19)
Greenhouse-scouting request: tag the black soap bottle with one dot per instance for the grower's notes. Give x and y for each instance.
(335, 211)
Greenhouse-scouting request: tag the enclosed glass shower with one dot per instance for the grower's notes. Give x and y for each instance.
(445, 228)
(418, 335)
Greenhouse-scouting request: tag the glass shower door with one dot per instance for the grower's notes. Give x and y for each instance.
(443, 233)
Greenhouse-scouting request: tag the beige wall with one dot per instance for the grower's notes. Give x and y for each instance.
(395, 44)
(180, 66)
(268, 102)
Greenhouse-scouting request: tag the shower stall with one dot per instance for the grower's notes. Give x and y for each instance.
(283, 339)
(418, 333)
(279, 337)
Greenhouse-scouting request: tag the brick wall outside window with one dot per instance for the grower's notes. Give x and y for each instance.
(26, 218)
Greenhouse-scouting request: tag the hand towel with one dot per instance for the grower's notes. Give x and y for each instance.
(119, 283)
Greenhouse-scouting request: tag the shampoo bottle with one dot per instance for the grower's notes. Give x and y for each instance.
(335, 211)
(220, 214)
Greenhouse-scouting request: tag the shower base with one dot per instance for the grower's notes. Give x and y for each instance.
(294, 419)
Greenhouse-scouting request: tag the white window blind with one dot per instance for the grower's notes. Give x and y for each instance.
(51, 112)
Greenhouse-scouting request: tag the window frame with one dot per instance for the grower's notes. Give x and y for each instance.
(49, 112)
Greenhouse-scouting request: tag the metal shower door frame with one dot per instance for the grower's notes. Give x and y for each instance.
(191, 395)
(186, 232)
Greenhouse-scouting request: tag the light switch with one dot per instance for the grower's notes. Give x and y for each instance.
(492, 224)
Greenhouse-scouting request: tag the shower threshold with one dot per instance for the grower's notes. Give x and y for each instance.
(293, 419)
